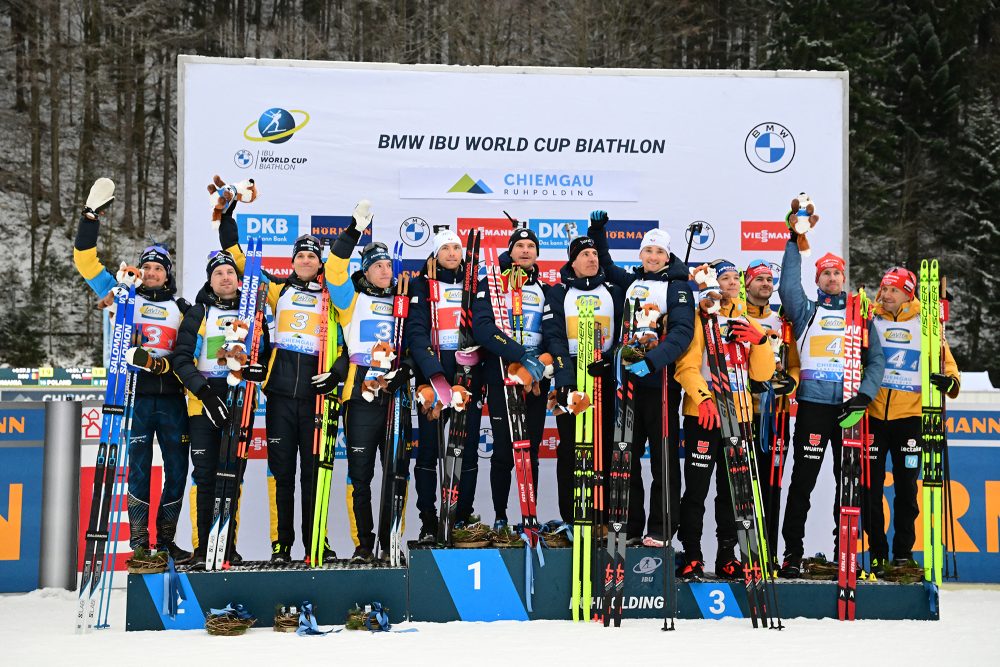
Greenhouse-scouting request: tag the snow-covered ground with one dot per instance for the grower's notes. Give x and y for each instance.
(37, 628)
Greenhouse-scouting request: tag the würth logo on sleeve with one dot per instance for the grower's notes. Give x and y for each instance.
(763, 235)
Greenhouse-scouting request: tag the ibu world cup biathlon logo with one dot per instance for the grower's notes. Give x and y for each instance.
(276, 125)
(769, 147)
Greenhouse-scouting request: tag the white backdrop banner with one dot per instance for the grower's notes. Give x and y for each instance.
(458, 146)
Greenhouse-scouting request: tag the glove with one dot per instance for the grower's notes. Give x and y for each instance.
(397, 378)
(254, 373)
(853, 410)
(102, 193)
(143, 360)
(598, 219)
(783, 383)
(534, 366)
(944, 383)
(324, 383)
(213, 406)
(708, 415)
(363, 215)
(742, 331)
(599, 368)
(640, 368)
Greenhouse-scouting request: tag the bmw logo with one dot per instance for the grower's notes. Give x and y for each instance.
(486, 443)
(243, 158)
(770, 147)
(700, 239)
(414, 232)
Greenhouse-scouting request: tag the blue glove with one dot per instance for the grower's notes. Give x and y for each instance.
(640, 368)
(598, 219)
(534, 366)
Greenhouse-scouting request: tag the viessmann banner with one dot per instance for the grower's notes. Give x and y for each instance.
(432, 145)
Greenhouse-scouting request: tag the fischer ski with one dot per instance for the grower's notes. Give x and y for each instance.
(583, 468)
(932, 422)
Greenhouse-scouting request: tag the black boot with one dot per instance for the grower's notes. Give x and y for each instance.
(428, 528)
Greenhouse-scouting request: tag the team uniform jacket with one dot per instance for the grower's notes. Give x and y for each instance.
(668, 288)
(296, 307)
(819, 332)
(899, 334)
(559, 321)
(157, 313)
(692, 368)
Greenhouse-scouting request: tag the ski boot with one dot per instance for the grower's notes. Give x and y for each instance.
(428, 529)
(791, 568)
(180, 556)
(691, 570)
(652, 541)
(362, 556)
(730, 569)
(281, 555)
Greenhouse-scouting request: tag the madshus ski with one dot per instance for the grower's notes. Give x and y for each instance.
(851, 464)
(619, 478)
(466, 357)
(120, 391)
(396, 460)
(240, 399)
(727, 364)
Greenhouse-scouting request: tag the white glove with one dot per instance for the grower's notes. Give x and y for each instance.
(102, 193)
(363, 215)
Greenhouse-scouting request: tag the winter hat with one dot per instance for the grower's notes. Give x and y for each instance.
(756, 268)
(218, 258)
(443, 238)
(373, 252)
(522, 234)
(578, 245)
(723, 266)
(158, 254)
(902, 279)
(656, 237)
(308, 243)
(829, 261)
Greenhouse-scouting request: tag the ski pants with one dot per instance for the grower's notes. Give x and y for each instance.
(703, 454)
(566, 454)
(815, 425)
(901, 439)
(648, 425)
(364, 431)
(290, 427)
(502, 461)
(205, 442)
(166, 417)
(425, 470)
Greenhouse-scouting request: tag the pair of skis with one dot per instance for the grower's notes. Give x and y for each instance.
(325, 433)
(619, 479)
(112, 450)
(395, 463)
(853, 461)
(466, 358)
(584, 462)
(937, 514)
(241, 400)
(514, 395)
(728, 366)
